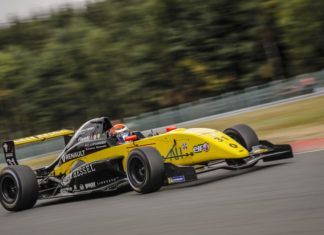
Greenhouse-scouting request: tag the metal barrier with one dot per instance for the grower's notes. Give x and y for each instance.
(230, 101)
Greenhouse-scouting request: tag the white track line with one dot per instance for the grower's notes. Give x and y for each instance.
(310, 151)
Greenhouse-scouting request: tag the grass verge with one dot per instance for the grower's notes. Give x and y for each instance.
(280, 124)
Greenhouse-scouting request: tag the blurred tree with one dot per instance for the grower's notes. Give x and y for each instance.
(124, 57)
(303, 24)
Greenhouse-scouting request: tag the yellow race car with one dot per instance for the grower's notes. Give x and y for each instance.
(95, 160)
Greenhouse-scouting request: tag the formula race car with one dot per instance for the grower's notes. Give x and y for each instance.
(93, 161)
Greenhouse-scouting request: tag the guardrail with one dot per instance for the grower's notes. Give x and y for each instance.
(274, 91)
(252, 96)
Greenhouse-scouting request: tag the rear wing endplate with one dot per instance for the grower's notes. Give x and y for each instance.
(9, 146)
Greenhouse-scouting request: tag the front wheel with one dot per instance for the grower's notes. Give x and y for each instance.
(246, 137)
(145, 170)
(18, 188)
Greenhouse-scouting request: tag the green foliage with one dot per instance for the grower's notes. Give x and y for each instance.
(124, 57)
(303, 24)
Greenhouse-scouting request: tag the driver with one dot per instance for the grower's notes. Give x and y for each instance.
(120, 132)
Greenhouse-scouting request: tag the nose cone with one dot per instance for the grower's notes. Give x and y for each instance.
(235, 150)
(223, 145)
(231, 148)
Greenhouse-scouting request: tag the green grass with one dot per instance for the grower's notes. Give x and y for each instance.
(282, 123)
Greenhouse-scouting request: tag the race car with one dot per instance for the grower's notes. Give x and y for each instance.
(95, 160)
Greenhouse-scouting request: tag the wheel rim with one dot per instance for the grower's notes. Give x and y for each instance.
(137, 171)
(9, 191)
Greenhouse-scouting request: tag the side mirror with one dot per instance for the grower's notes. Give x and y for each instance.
(131, 138)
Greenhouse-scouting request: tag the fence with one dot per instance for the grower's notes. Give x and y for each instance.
(230, 101)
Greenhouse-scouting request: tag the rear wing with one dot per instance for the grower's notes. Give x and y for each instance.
(9, 146)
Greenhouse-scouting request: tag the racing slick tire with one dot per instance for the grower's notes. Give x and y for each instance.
(244, 135)
(145, 170)
(18, 188)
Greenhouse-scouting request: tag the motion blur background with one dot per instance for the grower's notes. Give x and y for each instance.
(121, 58)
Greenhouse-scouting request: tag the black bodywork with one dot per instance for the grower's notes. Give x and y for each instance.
(105, 175)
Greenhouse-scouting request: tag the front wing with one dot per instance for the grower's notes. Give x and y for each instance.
(177, 174)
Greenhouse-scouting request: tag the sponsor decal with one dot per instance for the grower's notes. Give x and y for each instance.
(5, 147)
(201, 147)
(176, 179)
(96, 145)
(221, 138)
(143, 145)
(11, 161)
(85, 138)
(90, 185)
(42, 137)
(175, 153)
(103, 142)
(81, 187)
(69, 189)
(89, 129)
(66, 180)
(83, 170)
(90, 148)
(184, 146)
(206, 147)
(218, 139)
(233, 145)
(108, 181)
(101, 146)
(259, 149)
(73, 155)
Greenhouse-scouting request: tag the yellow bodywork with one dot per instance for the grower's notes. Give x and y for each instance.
(43, 137)
(180, 147)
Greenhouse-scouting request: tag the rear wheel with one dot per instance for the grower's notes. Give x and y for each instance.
(245, 136)
(18, 188)
(145, 170)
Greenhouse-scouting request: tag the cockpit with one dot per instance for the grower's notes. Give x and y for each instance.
(93, 129)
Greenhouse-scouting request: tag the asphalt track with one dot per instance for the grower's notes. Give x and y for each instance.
(285, 197)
